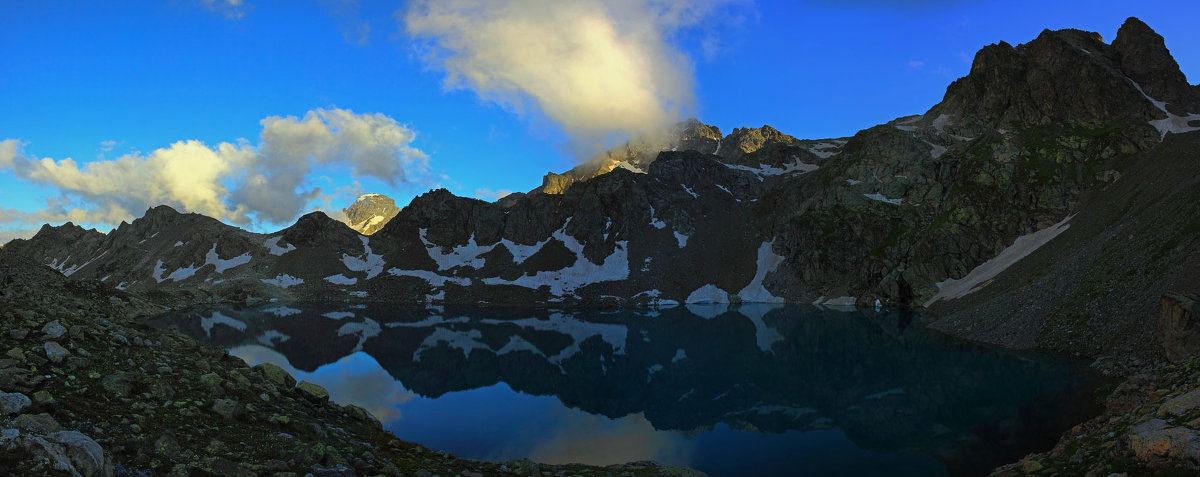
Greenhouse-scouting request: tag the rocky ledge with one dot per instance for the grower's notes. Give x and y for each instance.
(87, 389)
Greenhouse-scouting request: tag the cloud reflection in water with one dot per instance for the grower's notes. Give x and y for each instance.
(355, 379)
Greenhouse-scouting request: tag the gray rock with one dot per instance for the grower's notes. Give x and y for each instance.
(54, 330)
(1155, 439)
(313, 391)
(55, 351)
(45, 457)
(1180, 405)
(228, 408)
(36, 423)
(117, 384)
(1178, 327)
(86, 455)
(13, 403)
(276, 375)
(16, 353)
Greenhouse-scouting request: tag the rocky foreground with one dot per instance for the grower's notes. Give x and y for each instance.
(86, 389)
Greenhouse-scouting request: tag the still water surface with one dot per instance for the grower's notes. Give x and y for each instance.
(741, 390)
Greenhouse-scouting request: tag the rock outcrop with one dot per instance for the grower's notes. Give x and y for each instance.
(370, 212)
(1178, 327)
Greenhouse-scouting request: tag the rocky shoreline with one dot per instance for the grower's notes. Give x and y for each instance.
(1151, 421)
(88, 389)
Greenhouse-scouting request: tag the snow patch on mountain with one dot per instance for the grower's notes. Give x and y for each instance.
(881, 198)
(461, 256)
(434, 279)
(656, 300)
(1173, 123)
(211, 258)
(272, 245)
(283, 280)
(766, 170)
(583, 272)
(982, 275)
(767, 262)
(340, 279)
(183, 273)
(708, 294)
(689, 191)
(370, 263)
(157, 273)
(820, 149)
(681, 238)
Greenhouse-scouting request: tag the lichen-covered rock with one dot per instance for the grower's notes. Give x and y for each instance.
(1154, 438)
(37, 423)
(312, 391)
(276, 374)
(1181, 405)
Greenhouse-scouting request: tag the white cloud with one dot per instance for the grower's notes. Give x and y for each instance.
(491, 195)
(231, 9)
(239, 183)
(594, 67)
(9, 150)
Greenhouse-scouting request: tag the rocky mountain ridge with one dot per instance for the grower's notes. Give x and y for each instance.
(922, 210)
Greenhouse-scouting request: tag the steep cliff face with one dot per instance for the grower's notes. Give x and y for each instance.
(369, 213)
(1040, 140)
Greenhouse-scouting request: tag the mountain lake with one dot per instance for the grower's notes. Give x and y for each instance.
(726, 389)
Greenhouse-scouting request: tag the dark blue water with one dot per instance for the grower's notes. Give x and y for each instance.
(749, 390)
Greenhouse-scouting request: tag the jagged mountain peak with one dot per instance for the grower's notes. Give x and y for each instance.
(370, 212)
(1145, 59)
(1070, 77)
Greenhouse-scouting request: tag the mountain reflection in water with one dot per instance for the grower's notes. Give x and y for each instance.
(730, 390)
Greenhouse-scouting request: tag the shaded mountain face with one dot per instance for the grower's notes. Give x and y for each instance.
(370, 213)
(924, 209)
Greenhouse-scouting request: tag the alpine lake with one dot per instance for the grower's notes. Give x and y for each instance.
(726, 389)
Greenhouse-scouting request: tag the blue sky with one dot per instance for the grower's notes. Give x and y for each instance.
(440, 102)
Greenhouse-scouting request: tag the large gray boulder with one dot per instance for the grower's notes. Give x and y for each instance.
(1177, 327)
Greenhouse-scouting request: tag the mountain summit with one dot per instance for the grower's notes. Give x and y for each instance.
(370, 213)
